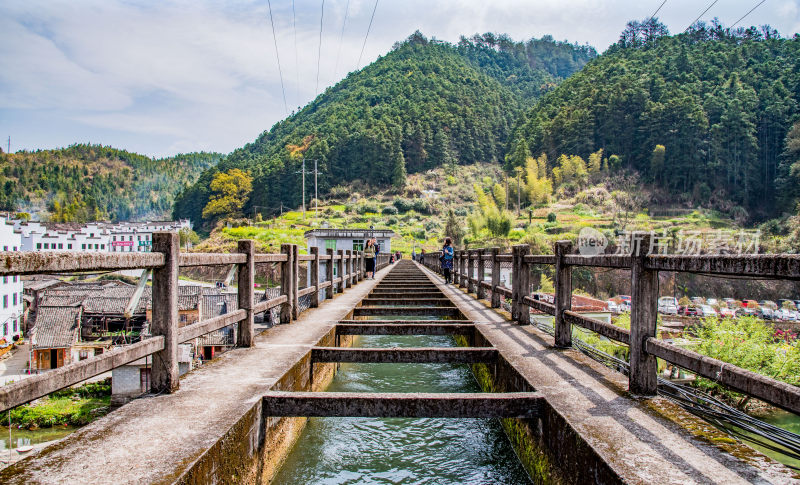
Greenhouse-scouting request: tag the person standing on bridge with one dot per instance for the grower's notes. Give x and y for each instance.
(369, 258)
(447, 260)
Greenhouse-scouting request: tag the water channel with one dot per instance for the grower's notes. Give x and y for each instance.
(402, 450)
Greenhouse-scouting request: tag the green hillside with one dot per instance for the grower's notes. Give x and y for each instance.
(93, 182)
(425, 104)
(719, 103)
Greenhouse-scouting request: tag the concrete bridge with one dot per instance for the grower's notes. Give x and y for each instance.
(570, 419)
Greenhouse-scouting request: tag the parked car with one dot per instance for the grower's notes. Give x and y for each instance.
(784, 303)
(765, 313)
(688, 311)
(730, 301)
(749, 304)
(769, 304)
(623, 303)
(727, 312)
(697, 300)
(712, 302)
(612, 306)
(706, 311)
(668, 305)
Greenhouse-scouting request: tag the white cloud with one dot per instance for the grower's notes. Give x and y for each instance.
(166, 76)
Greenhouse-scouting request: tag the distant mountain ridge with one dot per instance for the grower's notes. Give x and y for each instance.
(86, 182)
(425, 104)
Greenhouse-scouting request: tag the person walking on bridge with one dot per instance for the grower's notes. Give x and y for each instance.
(369, 258)
(447, 260)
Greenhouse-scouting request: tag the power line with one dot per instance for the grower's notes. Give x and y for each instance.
(657, 10)
(296, 57)
(280, 72)
(748, 13)
(341, 38)
(369, 27)
(701, 15)
(319, 49)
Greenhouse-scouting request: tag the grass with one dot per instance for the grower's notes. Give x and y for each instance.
(70, 406)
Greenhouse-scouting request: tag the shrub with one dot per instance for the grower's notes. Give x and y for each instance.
(422, 206)
(551, 217)
(389, 210)
(402, 205)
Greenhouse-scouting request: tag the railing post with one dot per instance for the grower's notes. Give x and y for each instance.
(463, 269)
(524, 285)
(348, 267)
(643, 379)
(295, 281)
(515, 286)
(314, 280)
(563, 294)
(329, 273)
(246, 281)
(470, 269)
(287, 283)
(457, 267)
(495, 277)
(481, 291)
(164, 373)
(340, 268)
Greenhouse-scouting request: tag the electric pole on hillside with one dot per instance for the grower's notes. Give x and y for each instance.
(316, 194)
(9, 145)
(519, 172)
(506, 192)
(303, 171)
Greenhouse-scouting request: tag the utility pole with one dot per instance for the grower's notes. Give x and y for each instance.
(316, 194)
(506, 192)
(9, 145)
(518, 190)
(303, 171)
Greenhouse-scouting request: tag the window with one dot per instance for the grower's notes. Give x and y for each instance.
(330, 244)
(183, 318)
(358, 244)
(83, 355)
(102, 246)
(16, 328)
(5, 280)
(5, 301)
(5, 248)
(5, 328)
(60, 245)
(38, 245)
(138, 238)
(91, 234)
(83, 246)
(47, 245)
(15, 278)
(113, 238)
(97, 246)
(14, 299)
(130, 238)
(15, 248)
(69, 246)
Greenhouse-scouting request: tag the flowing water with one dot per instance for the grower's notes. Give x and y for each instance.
(402, 450)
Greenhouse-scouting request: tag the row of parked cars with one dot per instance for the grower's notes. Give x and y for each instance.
(782, 310)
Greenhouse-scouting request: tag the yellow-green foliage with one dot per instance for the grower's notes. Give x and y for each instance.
(537, 186)
(231, 191)
(570, 169)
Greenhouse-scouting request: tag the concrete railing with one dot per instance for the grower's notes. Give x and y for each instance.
(644, 345)
(165, 261)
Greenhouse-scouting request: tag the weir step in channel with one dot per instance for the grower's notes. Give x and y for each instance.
(404, 292)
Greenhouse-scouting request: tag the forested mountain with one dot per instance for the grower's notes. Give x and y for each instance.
(703, 115)
(94, 182)
(425, 104)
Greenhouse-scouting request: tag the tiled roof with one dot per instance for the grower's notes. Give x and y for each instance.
(223, 337)
(61, 300)
(188, 302)
(216, 305)
(37, 285)
(56, 327)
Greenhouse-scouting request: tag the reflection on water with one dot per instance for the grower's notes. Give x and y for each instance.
(787, 421)
(402, 450)
(24, 437)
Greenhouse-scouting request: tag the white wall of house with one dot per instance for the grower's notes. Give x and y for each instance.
(10, 287)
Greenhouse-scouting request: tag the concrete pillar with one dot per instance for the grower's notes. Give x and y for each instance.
(314, 276)
(481, 291)
(246, 281)
(340, 269)
(295, 281)
(463, 269)
(516, 289)
(456, 267)
(563, 294)
(470, 270)
(329, 274)
(643, 379)
(495, 277)
(287, 283)
(524, 285)
(164, 374)
(348, 267)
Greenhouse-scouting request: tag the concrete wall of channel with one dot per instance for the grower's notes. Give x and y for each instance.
(254, 449)
(549, 449)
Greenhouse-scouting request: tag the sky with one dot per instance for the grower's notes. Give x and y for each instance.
(175, 76)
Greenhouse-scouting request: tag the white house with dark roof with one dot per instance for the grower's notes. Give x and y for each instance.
(11, 307)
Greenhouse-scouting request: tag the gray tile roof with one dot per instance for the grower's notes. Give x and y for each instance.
(216, 305)
(56, 327)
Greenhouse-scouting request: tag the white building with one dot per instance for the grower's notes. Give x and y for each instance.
(10, 289)
(94, 236)
(352, 239)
